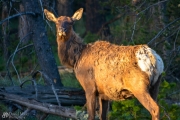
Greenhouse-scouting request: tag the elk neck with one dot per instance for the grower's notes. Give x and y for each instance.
(70, 49)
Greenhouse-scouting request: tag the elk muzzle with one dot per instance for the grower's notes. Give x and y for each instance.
(62, 31)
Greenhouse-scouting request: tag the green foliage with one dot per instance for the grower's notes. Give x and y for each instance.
(79, 26)
(78, 107)
(128, 110)
(173, 8)
(69, 80)
(168, 109)
(133, 110)
(90, 37)
(3, 108)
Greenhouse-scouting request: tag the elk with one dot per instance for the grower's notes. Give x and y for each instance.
(107, 71)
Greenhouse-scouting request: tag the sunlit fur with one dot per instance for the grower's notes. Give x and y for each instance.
(107, 71)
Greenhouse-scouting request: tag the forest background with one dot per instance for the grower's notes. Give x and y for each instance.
(28, 43)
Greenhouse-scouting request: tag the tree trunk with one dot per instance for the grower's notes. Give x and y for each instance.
(42, 47)
(95, 19)
(4, 31)
(24, 24)
(64, 7)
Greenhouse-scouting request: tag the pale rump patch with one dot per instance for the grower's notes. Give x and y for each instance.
(150, 62)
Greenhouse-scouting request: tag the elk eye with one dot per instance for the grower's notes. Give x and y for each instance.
(65, 29)
(69, 22)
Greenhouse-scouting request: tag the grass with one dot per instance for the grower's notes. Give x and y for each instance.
(69, 80)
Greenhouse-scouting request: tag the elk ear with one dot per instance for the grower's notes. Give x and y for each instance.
(78, 14)
(50, 16)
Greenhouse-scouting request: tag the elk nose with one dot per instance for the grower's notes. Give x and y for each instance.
(61, 29)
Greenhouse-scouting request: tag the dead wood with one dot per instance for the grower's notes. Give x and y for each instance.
(67, 96)
(43, 107)
(45, 101)
(17, 15)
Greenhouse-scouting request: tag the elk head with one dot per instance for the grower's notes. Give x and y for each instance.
(64, 24)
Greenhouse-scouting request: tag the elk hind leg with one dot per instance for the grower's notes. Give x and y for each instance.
(103, 108)
(146, 100)
(155, 89)
(91, 103)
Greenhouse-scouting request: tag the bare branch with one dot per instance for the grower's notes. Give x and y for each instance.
(34, 84)
(160, 32)
(44, 116)
(134, 28)
(14, 56)
(165, 113)
(25, 113)
(30, 45)
(172, 56)
(111, 21)
(176, 38)
(11, 58)
(41, 7)
(151, 6)
(166, 38)
(51, 83)
(50, 27)
(140, 6)
(16, 15)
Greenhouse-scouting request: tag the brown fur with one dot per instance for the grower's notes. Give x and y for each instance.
(104, 70)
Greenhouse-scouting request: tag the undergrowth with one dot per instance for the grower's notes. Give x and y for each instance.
(133, 110)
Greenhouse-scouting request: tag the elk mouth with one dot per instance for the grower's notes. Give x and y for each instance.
(62, 33)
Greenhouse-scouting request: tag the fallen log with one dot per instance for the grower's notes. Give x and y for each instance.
(67, 96)
(43, 107)
(43, 99)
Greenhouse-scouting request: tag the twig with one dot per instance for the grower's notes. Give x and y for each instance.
(25, 113)
(30, 45)
(166, 114)
(44, 116)
(110, 21)
(163, 30)
(53, 88)
(174, 32)
(50, 27)
(12, 58)
(8, 61)
(151, 6)
(16, 15)
(50, 82)
(140, 6)
(34, 84)
(134, 28)
(32, 71)
(176, 38)
(171, 59)
(178, 91)
(41, 7)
